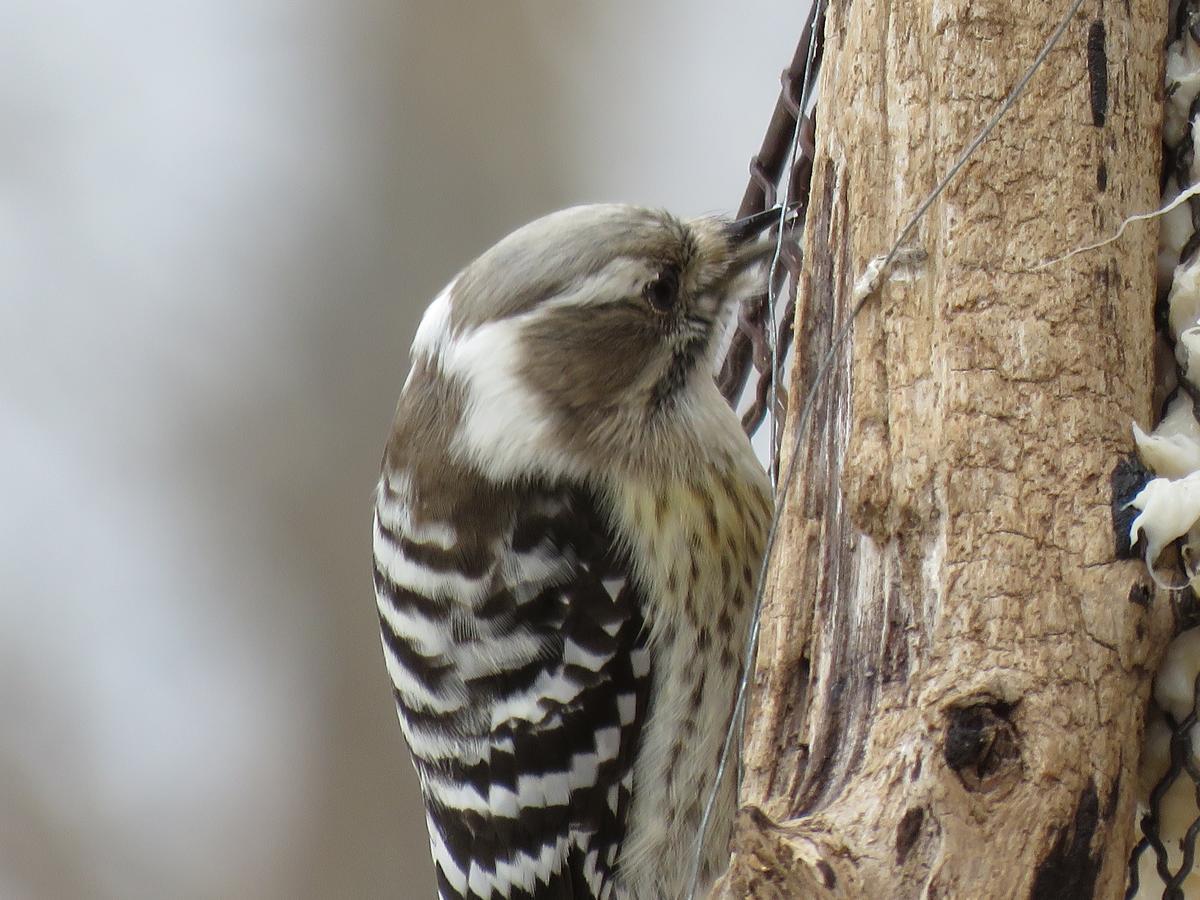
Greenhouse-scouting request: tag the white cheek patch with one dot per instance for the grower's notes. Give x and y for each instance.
(506, 430)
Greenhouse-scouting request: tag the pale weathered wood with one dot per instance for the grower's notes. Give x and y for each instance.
(954, 666)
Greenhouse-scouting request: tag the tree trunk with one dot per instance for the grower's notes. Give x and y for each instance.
(954, 665)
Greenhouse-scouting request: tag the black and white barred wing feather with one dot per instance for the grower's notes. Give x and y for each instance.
(520, 677)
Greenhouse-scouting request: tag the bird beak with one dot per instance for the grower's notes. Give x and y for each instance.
(747, 236)
(746, 229)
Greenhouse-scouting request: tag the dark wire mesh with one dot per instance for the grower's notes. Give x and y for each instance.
(1183, 765)
(1183, 760)
(771, 183)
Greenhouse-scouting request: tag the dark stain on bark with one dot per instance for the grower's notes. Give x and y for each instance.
(1128, 477)
(907, 832)
(1097, 65)
(1071, 867)
(981, 743)
(1140, 594)
(894, 662)
(1110, 804)
(759, 819)
(828, 878)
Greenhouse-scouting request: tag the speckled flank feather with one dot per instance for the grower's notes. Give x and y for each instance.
(702, 536)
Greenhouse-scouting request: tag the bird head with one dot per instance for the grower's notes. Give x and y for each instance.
(587, 339)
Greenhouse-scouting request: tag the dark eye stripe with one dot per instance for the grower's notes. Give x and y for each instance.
(682, 363)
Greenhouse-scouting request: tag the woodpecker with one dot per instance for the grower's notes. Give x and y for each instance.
(567, 535)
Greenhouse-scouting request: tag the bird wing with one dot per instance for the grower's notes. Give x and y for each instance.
(518, 665)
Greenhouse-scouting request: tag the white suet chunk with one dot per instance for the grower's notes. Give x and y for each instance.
(1187, 351)
(1183, 302)
(1174, 686)
(1194, 168)
(1172, 450)
(1183, 84)
(1169, 508)
(1174, 229)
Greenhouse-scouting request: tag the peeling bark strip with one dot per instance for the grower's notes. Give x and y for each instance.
(950, 661)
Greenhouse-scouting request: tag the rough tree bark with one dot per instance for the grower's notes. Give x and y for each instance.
(954, 665)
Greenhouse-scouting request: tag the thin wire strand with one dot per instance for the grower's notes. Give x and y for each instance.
(772, 343)
(1186, 195)
(784, 206)
(772, 334)
(1009, 102)
(865, 289)
(773, 296)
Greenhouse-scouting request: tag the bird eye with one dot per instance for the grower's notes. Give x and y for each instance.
(663, 291)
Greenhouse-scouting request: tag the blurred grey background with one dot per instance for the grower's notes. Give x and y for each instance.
(219, 222)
